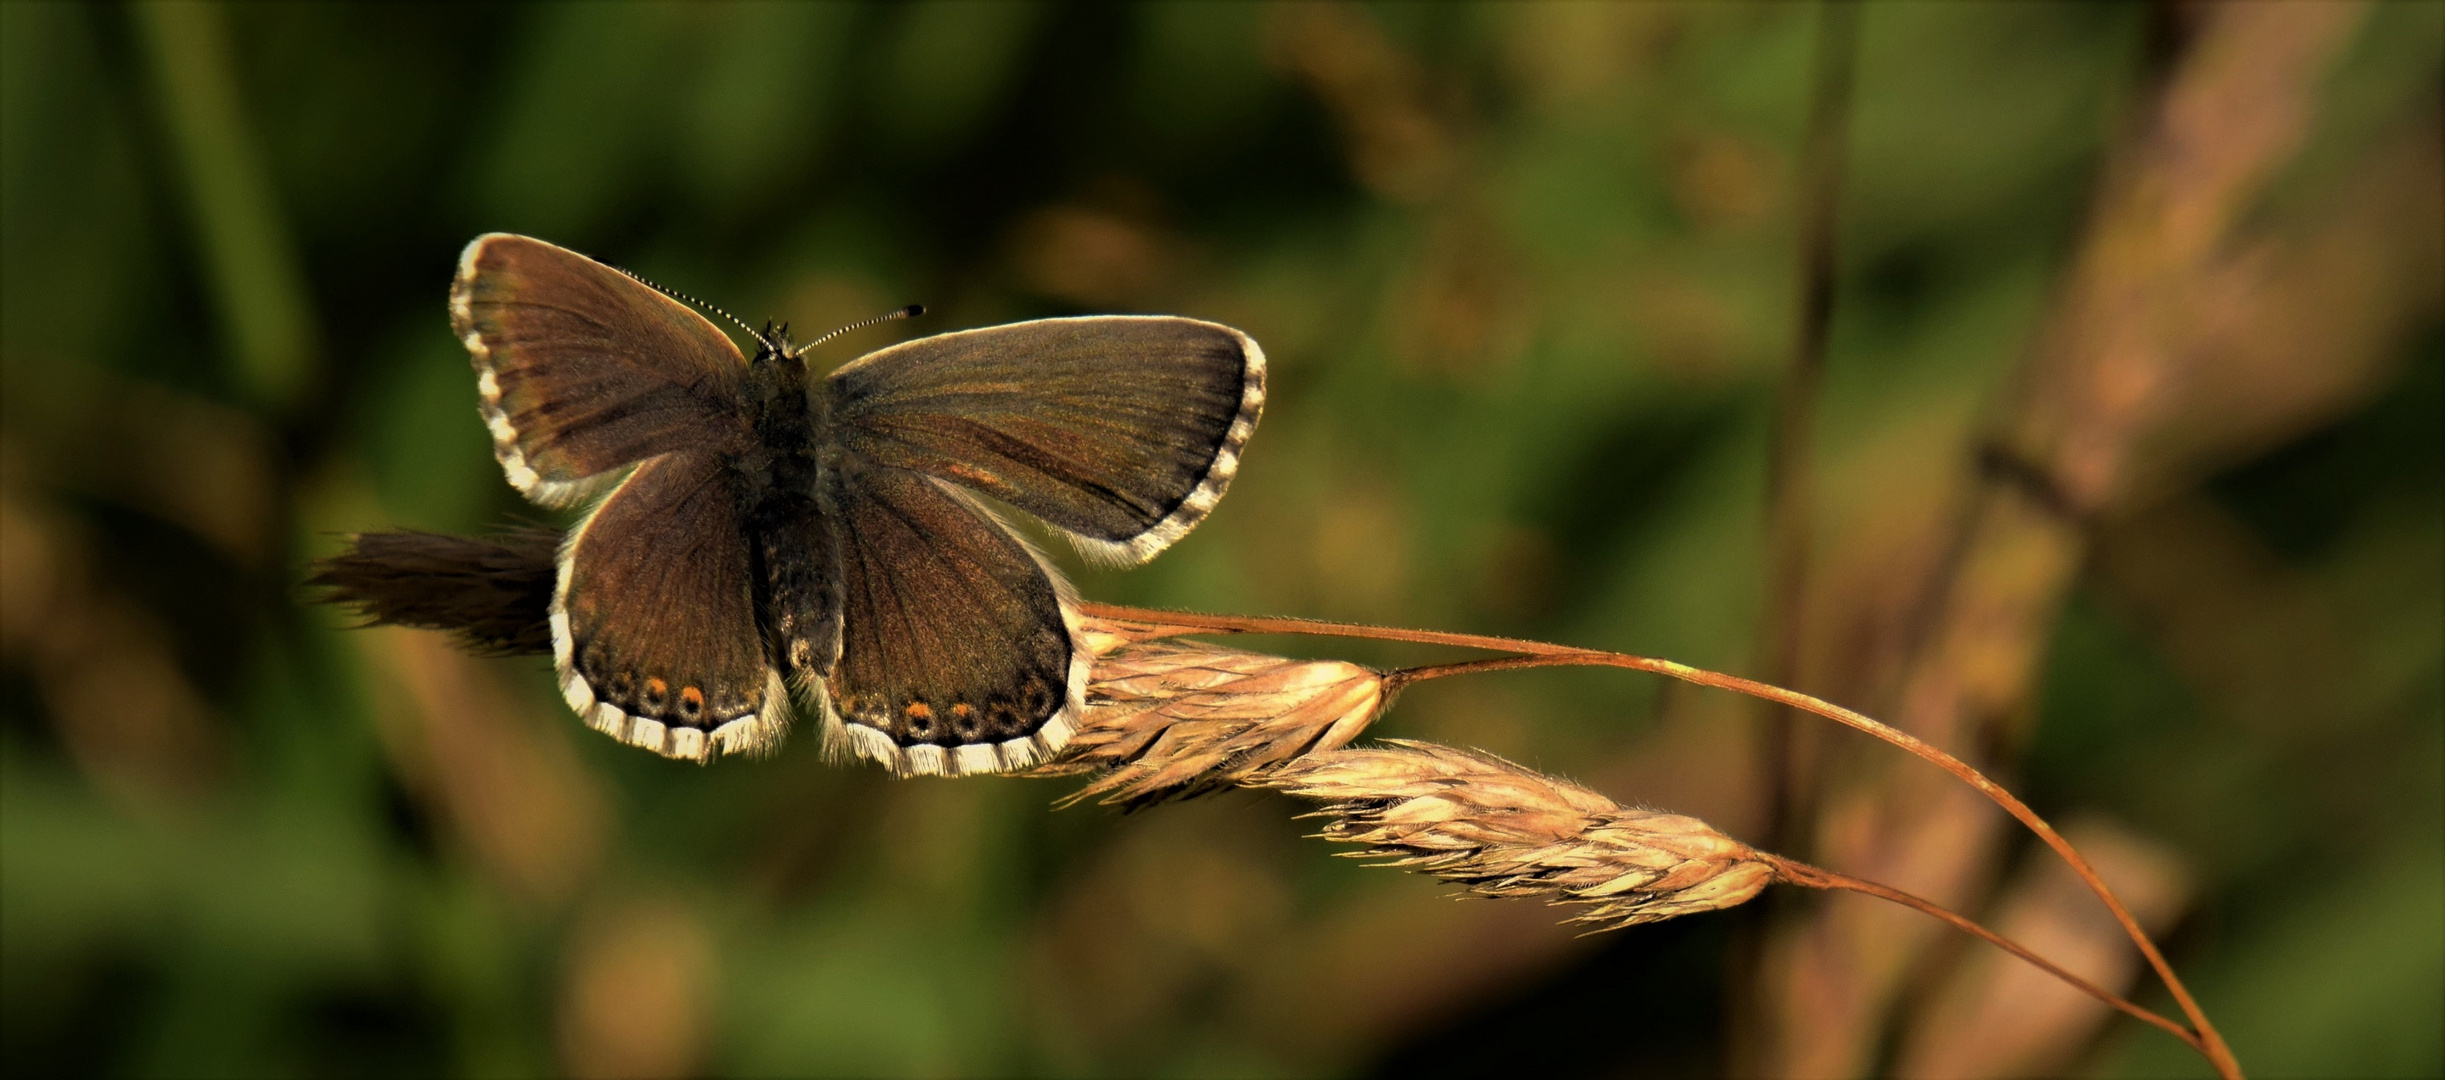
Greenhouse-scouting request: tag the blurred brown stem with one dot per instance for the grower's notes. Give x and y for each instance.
(1790, 486)
(2126, 347)
(1786, 765)
(1529, 654)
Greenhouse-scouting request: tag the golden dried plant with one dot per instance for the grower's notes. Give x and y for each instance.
(1170, 719)
(1506, 831)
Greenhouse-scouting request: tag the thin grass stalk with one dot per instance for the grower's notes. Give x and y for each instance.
(1794, 872)
(1530, 654)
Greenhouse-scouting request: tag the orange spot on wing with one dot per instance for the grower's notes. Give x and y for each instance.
(693, 696)
(961, 710)
(657, 687)
(918, 710)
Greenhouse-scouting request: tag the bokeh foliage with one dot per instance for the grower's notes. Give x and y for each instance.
(1526, 276)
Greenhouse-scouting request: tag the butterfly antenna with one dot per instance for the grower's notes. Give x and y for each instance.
(694, 302)
(909, 312)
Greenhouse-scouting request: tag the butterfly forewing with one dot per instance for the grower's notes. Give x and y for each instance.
(958, 651)
(582, 369)
(653, 621)
(1121, 431)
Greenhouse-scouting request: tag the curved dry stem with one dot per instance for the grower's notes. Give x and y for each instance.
(1792, 872)
(1527, 654)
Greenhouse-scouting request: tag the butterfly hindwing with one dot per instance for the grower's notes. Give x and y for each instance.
(959, 653)
(653, 620)
(1121, 431)
(583, 369)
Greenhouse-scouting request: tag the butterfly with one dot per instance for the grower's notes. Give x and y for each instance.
(757, 530)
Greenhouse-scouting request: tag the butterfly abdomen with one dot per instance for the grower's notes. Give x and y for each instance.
(796, 563)
(798, 582)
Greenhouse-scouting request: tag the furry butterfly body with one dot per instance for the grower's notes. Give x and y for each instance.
(763, 533)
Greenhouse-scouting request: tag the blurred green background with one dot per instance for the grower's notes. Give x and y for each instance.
(1527, 275)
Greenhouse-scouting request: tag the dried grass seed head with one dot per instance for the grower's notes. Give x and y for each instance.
(1172, 719)
(1503, 830)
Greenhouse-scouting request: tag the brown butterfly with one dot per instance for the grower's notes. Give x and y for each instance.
(761, 529)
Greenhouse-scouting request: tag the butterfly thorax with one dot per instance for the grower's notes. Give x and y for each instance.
(780, 481)
(787, 424)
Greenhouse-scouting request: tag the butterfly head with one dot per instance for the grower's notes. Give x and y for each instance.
(773, 344)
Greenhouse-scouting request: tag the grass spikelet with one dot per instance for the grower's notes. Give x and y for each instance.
(1502, 830)
(1173, 719)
